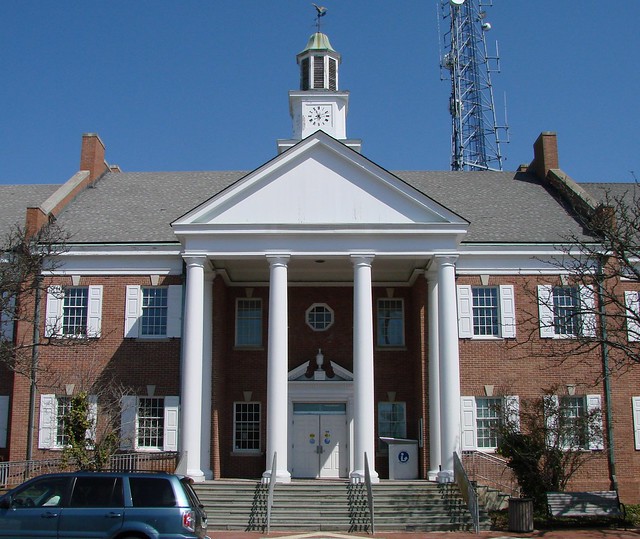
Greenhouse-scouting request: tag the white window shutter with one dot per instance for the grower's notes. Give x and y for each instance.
(635, 408)
(632, 302)
(53, 317)
(545, 311)
(588, 311)
(47, 425)
(512, 405)
(551, 409)
(465, 312)
(93, 417)
(507, 311)
(174, 311)
(4, 419)
(7, 319)
(128, 416)
(94, 315)
(594, 404)
(171, 419)
(468, 424)
(132, 312)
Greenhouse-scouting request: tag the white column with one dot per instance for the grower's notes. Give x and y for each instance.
(363, 373)
(277, 370)
(434, 377)
(191, 408)
(207, 369)
(449, 365)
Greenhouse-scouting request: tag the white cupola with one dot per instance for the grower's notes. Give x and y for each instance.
(318, 105)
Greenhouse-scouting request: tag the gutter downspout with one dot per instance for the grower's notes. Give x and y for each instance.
(607, 381)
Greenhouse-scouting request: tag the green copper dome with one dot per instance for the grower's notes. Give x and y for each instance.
(318, 41)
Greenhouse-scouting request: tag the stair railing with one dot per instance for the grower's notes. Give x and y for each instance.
(467, 490)
(491, 470)
(367, 481)
(272, 486)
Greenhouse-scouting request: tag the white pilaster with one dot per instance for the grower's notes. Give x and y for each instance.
(449, 365)
(434, 377)
(207, 369)
(363, 373)
(277, 369)
(192, 367)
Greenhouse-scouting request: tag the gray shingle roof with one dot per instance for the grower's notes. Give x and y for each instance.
(502, 207)
(14, 199)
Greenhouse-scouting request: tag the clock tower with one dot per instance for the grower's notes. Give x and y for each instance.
(318, 104)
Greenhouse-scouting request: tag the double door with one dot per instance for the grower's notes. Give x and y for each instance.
(320, 447)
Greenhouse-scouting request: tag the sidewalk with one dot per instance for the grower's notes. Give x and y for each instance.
(588, 533)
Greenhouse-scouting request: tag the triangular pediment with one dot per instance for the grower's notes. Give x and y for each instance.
(320, 181)
(309, 372)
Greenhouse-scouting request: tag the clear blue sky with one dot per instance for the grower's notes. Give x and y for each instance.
(202, 85)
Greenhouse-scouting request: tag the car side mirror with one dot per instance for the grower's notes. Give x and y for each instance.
(5, 502)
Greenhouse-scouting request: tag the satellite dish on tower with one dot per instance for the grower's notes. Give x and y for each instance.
(456, 3)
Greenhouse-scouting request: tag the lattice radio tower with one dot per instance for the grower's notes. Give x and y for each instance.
(475, 135)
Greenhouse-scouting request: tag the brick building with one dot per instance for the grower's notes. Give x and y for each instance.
(313, 305)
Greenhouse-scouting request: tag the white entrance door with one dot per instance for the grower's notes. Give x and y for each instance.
(320, 440)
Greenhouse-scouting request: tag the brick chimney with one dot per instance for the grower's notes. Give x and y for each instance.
(545, 154)
(92, 156)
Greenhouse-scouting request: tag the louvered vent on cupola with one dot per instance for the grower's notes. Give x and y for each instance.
(333, 74)
(318, 72)
(304, 74)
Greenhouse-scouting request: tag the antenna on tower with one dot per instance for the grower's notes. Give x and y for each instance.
(320, 12)
(475, 133)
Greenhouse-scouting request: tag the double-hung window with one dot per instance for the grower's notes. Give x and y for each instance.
(392, 421)
(574, 421)
(248, 322)
(74, 311)
(246, 426)
(153, 312)
(486, 312)
(149, 423)
(390, 322)
(54, 411)
(482, 417)
(7, 316)
(566, 311)
(632, 314)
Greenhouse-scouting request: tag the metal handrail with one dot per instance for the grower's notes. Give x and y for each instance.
(496, 472)
(272, 486)
(467, 490)
(367, 481)
(15, 472)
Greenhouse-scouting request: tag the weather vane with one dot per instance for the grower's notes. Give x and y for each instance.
(320, 12)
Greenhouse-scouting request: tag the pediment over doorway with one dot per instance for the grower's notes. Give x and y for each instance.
(330, 372)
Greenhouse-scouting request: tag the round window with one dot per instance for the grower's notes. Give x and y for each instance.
(319, 317)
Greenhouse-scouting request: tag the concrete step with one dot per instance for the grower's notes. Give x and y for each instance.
(334, 506)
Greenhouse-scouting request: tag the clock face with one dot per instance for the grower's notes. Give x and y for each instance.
(319, 116)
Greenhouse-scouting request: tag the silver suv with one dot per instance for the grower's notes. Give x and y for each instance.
(113, 505)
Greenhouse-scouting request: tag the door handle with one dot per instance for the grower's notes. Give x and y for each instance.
(319, 449)
(49, 514)
(113, 514)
